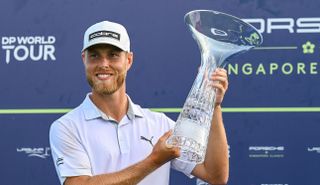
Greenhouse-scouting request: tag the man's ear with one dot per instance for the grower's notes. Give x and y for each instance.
(130, 59)
(83, 56)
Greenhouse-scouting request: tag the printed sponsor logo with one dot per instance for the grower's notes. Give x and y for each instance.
(293, 27)
(314, 149)
(265, 69)
(42, 152)
(289, 25)
(266, 151)
(147, 140)
(23, 48)
(108, 34)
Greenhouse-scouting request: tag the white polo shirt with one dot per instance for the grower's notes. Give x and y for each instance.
(87, 142)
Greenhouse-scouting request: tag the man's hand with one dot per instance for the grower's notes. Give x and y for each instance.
(162, 152)
(220, 83)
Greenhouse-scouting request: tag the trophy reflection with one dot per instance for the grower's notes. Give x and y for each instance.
(219, 36)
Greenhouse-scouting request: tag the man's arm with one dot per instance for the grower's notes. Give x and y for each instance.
(215, 168)
(133, 174)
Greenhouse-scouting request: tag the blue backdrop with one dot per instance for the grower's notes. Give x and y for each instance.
(271, 110)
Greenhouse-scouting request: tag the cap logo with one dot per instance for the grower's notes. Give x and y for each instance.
(108, 34)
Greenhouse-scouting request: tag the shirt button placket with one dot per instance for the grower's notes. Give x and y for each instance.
(122, 141)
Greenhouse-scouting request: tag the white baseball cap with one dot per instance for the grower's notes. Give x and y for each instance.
(107, 32)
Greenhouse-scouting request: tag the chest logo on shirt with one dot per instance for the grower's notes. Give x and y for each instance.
(146, 139)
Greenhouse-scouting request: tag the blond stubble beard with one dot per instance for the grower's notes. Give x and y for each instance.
(104, 89)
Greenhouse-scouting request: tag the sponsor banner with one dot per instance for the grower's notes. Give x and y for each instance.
(27, 48)
(273, 95)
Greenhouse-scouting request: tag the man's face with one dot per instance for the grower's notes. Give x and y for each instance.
(106, 68)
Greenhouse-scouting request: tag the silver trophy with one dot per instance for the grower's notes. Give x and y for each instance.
(219, 36)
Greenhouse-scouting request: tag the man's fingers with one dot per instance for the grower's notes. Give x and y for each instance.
(166, 137)
(167, 134)
(169, 146)
(219, 78)
(221, 71)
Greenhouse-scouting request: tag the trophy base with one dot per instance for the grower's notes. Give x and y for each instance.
(191, 137)
(190, 150)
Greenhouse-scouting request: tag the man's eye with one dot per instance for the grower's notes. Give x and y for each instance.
(93, 55)
(114, 55)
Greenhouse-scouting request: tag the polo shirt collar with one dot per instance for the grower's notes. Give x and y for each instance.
(133, 110)
(91, 111)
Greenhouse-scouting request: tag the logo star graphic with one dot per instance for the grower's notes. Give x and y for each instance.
(308, 48)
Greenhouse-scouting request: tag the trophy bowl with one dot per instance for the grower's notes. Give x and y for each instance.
(219, 36)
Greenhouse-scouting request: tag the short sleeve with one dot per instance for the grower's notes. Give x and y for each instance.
(69, 156)
(183, 166)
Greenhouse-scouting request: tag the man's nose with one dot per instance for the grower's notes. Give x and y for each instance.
(105, 61)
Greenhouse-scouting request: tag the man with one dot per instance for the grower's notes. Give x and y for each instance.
(110, 140)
